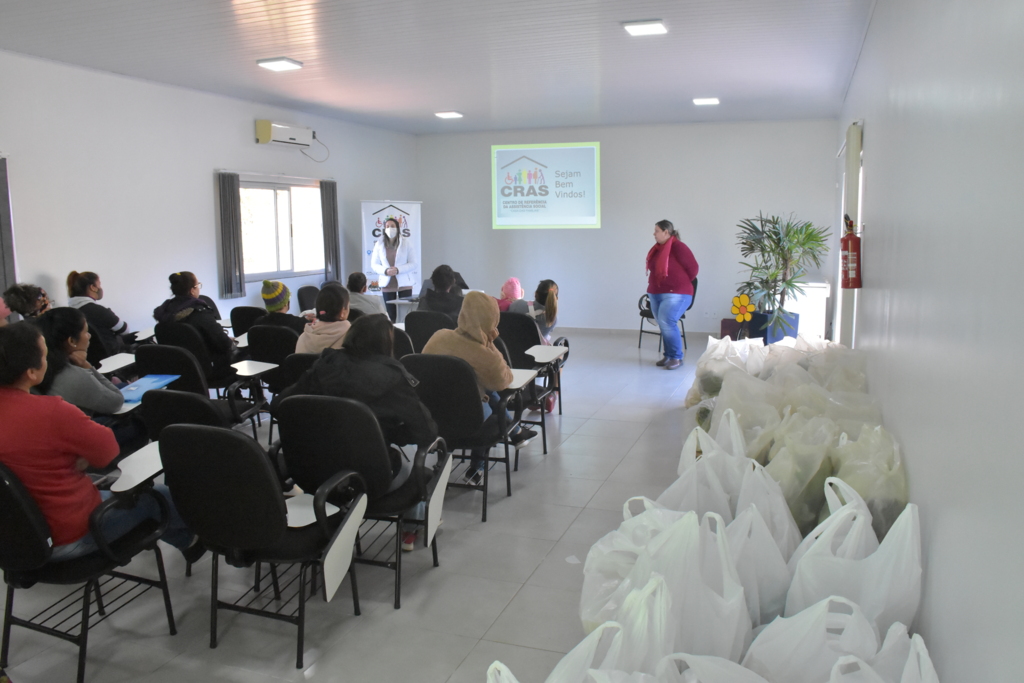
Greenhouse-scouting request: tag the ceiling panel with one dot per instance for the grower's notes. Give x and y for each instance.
(523, 64)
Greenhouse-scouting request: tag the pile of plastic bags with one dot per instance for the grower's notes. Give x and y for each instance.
(762, 561)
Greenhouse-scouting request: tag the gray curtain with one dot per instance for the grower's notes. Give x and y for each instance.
(332, 233)
(232, 269)
(7, 275)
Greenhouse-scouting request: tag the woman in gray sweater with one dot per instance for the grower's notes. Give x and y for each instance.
(68, 373)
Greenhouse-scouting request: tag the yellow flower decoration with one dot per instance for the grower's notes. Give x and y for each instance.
(742, 308)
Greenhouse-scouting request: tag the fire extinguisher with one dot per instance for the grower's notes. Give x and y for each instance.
(850, 257)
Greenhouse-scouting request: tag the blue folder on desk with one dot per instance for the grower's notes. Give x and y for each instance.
(134, 391)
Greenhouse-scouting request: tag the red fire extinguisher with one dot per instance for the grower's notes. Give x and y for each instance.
(850, 257)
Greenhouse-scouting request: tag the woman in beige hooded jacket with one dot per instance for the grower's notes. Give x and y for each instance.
(473, 341)
(331, 324)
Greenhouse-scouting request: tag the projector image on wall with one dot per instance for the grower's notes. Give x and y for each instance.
(275, 133)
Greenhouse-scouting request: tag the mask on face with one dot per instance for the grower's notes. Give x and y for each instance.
(391, 232)
(99, 294)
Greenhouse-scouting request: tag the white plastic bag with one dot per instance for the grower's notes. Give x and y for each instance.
(708, 604)
(759, 565)
(801, 465)
(615, 676)
(850, 669)
(893, 655)
(611, 559)
(804, 648)
(697, 488)
(915, 667)
(758, 488)
(873, 467)
(648, 630)
(756, 405)
(853, 537)
(684, 668)
(499, 673)
(588, 655)
(729, 436)
(886, 584)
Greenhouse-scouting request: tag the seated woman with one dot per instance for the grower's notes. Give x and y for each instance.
(70, 376)
(359, 300)
(473, 341)
(47, 442)
(364, 369)
(543, 308)
(511, 292)
(84, 290)
(331, 324)
(28, 300)
(277, 300)
(443, 297)
(186, 307)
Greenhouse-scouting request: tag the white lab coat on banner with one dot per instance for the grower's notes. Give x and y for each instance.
(405, 261)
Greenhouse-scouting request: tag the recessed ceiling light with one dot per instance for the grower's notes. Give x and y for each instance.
(703, 101)
(649, 27)
(448, 115)
(279, 64)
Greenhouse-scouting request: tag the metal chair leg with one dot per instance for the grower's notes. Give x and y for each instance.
(355, 588)
(99, 599)
(83, 636)
(273, 581)
(302, 614)
(8, 613)
(398, 563)
(165, 591)
(213, 602)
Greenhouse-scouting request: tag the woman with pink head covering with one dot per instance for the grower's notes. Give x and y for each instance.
(510, 291)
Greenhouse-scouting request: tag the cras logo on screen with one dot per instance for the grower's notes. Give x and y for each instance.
(524, 177)
(398, 216)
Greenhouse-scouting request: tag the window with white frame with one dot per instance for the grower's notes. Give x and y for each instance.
(282, 230)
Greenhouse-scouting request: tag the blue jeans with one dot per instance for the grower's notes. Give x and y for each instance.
(116, 523)
(667, 310)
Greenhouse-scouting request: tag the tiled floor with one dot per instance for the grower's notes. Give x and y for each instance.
(506, 589)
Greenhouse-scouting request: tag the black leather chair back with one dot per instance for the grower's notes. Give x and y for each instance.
(224, 488)
(187, 337)
(242, 318)
(98, 349)
(449, 390)
(273, 344)
(162, 408)
(307, 297)
(24, 534)
(323, 435)
(421, 326)
(298, 363)
(162, 359)
(403, 344)
(519, 332)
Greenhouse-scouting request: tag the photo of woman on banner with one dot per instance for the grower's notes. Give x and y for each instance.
(395, 262)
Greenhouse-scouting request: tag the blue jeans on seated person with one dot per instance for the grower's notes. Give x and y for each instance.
(477, 455)
(667, 310)
(117, 522)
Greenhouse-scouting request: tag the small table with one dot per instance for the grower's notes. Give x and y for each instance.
(300, 510)
(252, 368)
(143, 335)
(141, 466)
(243, 340)
(520, 378)
(225, 323)
(116, 362)
(546, 354)
(400, 326)
(127, 407)
(402, 307)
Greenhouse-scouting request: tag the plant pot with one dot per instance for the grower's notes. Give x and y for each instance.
(730, 328)
(759, 322)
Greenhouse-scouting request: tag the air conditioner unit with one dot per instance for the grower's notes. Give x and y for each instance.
(272, 132)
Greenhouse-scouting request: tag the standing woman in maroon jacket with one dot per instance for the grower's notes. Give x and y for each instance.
(671, 270)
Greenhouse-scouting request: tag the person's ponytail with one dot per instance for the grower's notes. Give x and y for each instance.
(551, 307)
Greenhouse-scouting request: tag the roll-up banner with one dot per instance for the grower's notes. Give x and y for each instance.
(375, 213)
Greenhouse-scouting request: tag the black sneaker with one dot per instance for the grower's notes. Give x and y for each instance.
(522, 437)
(194, 551)
(474, 477)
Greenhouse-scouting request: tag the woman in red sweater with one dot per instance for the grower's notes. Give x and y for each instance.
(671, 269)
(47, 444)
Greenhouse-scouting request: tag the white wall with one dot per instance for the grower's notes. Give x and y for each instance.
(116, 175)
(704, 178)
(940, 87)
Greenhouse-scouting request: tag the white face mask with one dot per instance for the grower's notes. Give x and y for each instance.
(391, 232)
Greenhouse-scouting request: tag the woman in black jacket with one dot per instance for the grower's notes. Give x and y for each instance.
(186, 307)
(364, 370)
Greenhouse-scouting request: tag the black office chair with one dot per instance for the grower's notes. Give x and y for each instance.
(646, 314)
(298, 363)
(187, 337)
(307, 297)
(164, 407)
(421, 326)
(26, 547)
(273, 344)
(98, 350)
(520, 332)
(227, 492)
(322, 435)
(242, 318)
(161, 359)
(448, 387)
(403, 344)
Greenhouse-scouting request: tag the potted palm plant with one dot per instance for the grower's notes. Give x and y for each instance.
(778, 252)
